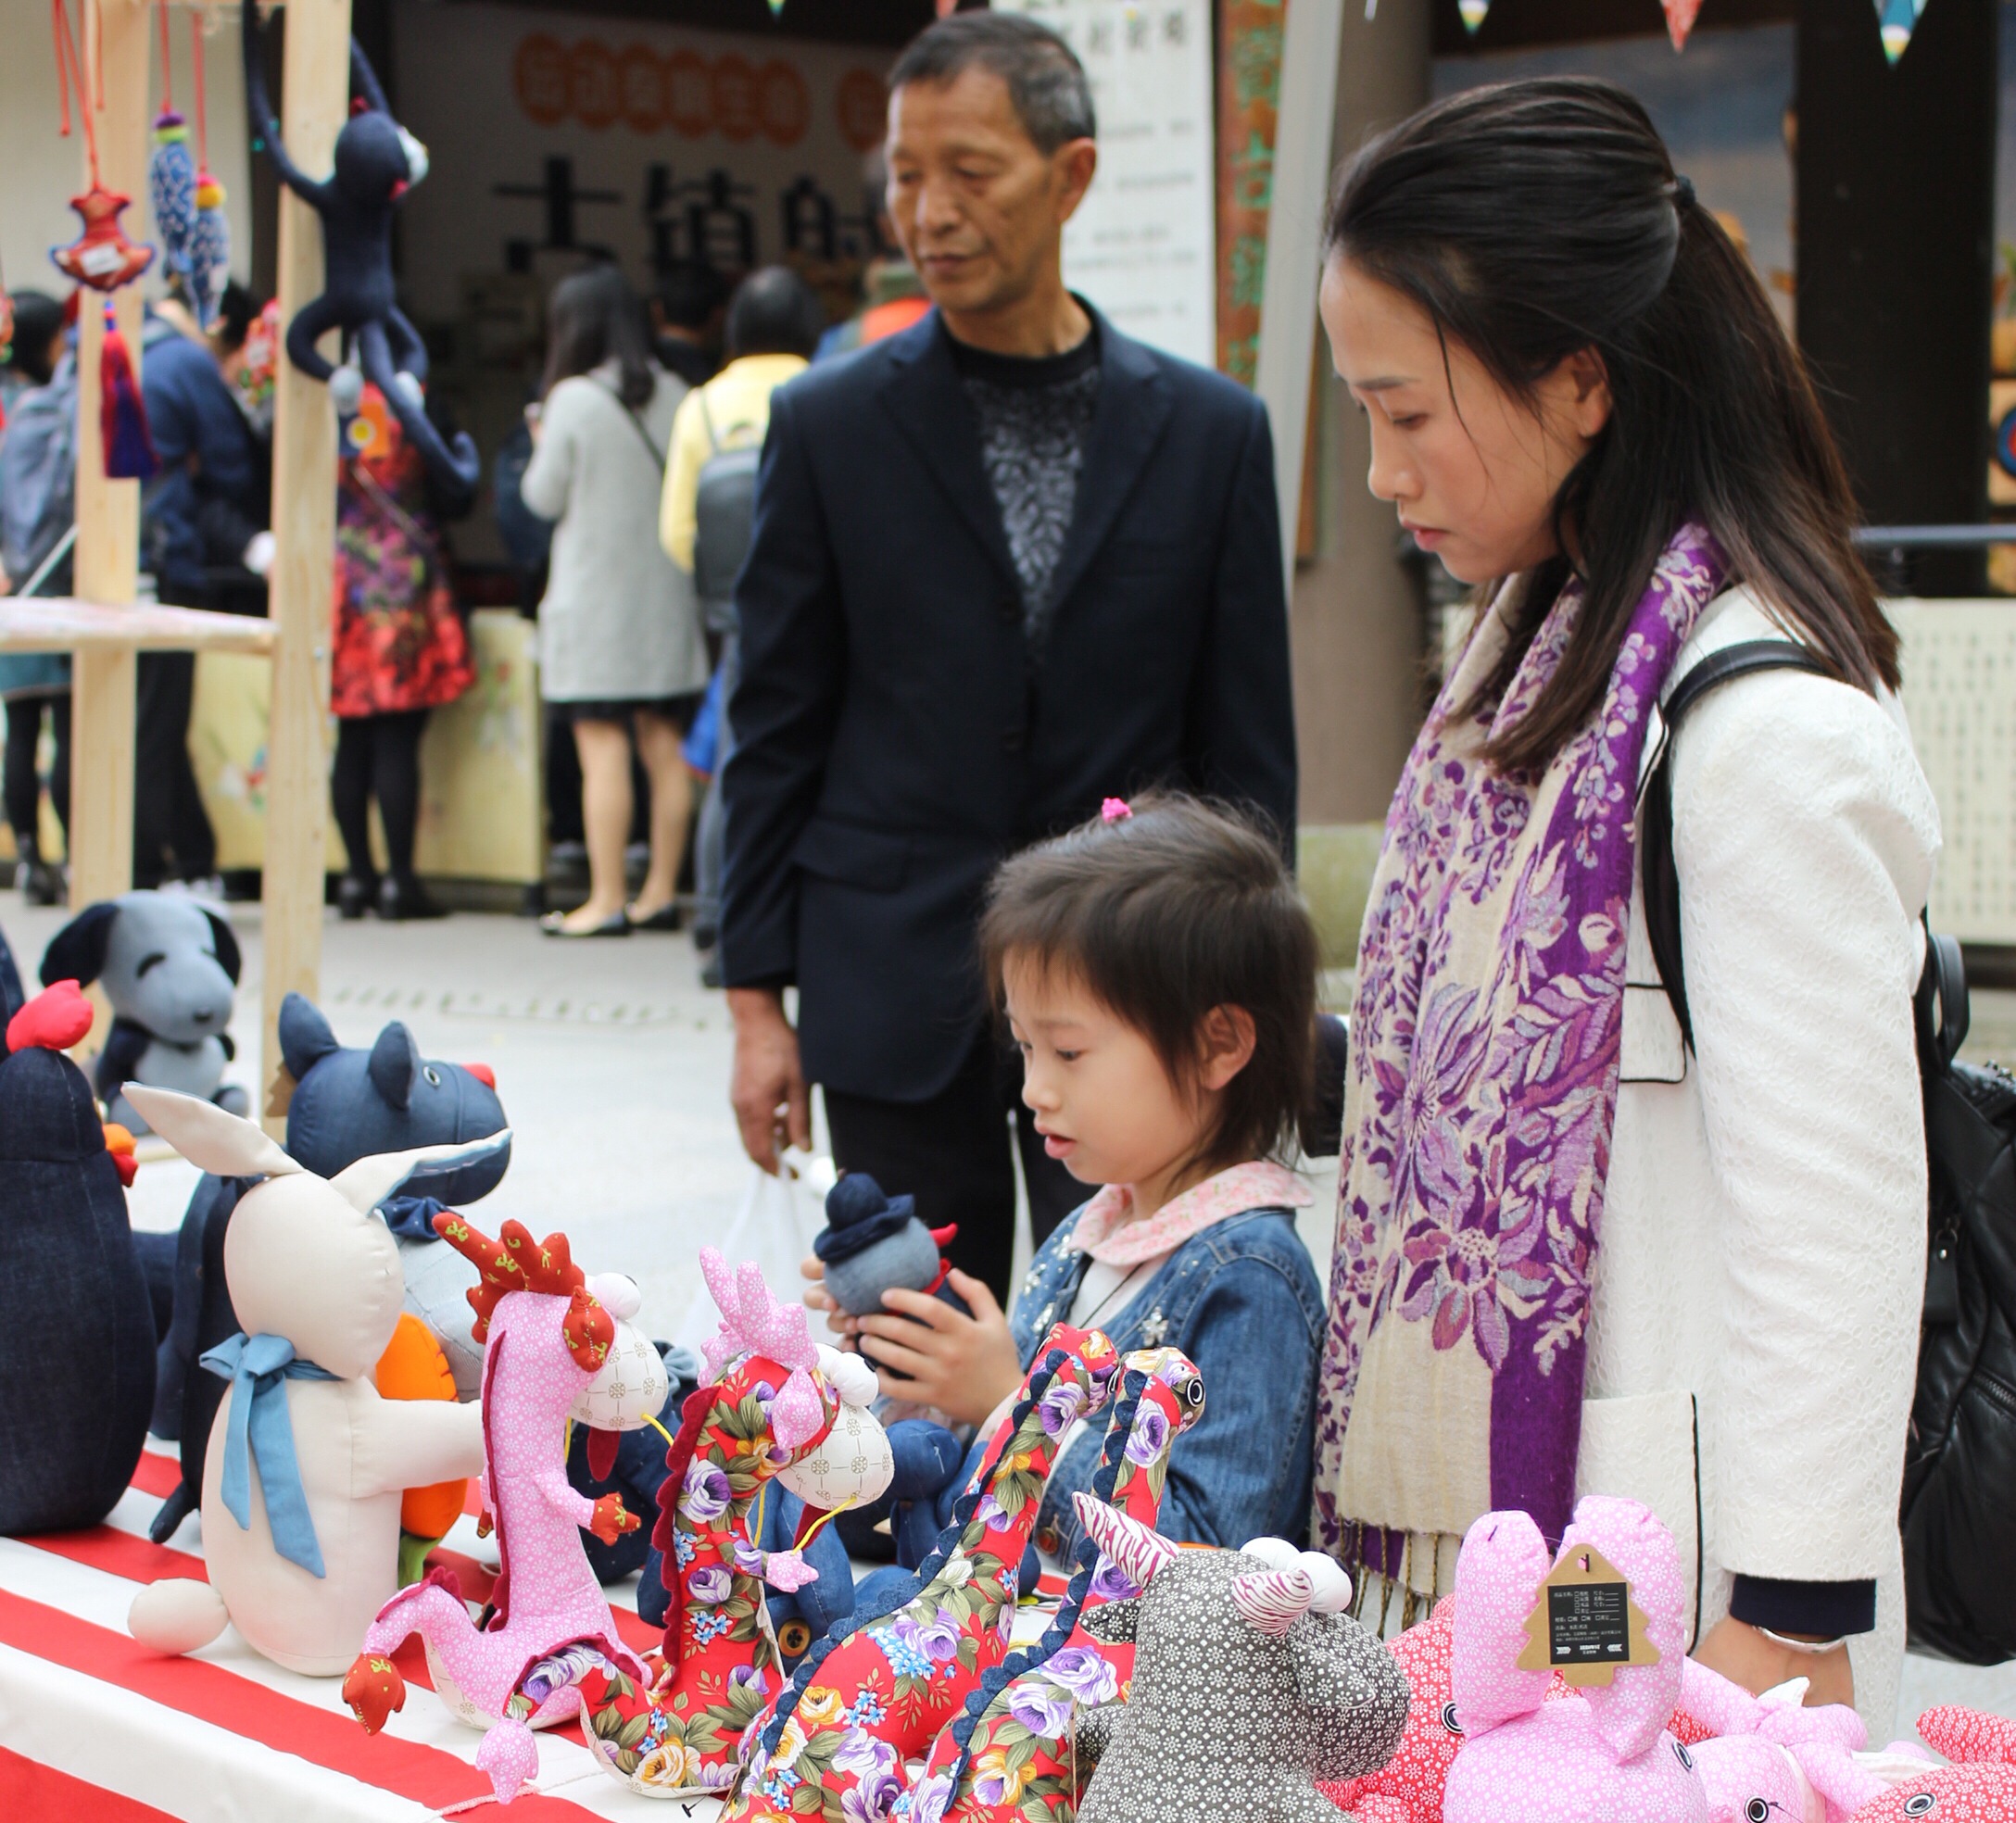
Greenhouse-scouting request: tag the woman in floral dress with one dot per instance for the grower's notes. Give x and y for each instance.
(397, 649)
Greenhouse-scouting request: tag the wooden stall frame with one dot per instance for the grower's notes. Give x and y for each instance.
(105, 628)
(314, 104)
(1311, 41)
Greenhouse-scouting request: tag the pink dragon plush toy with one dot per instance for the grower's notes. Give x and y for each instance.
(1771, 1758)
(556, 1348)
(1604, 1751)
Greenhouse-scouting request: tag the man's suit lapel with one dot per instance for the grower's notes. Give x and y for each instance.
(1128, 421)
(922, 393)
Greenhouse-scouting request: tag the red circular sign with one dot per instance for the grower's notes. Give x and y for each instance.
(540, 74)
(863, 105)
(689, 95)
(594, 84)
(737, 113)
(641, 84)
(784, 102)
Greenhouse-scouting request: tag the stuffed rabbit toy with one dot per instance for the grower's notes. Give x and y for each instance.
(307, 1464)
(1602, 1753)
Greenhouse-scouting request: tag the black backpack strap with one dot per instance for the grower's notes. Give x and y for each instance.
(1940, 1003)
(1656, 839)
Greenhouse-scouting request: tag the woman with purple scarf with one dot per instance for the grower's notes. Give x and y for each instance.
(1577, 1250)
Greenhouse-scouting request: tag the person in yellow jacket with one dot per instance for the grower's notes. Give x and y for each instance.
(773, 324)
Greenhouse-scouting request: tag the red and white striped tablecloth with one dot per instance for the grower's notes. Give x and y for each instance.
(93, 1729)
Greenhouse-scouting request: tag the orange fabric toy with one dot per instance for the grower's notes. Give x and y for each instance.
(414, 1367)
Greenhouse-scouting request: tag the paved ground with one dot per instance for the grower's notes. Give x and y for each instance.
(613, 1063)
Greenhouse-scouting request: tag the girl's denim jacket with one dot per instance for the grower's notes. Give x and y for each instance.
(1241, 1300)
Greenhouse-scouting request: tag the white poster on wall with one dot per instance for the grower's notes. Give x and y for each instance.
(1143, 245)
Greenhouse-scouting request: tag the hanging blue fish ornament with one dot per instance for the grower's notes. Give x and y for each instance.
(209, 245)
(171, 182)
(209, 249)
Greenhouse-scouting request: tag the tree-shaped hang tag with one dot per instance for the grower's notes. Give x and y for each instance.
(1585, 1623)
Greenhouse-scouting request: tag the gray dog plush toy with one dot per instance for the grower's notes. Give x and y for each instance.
(168, 967)
(1250, 1683)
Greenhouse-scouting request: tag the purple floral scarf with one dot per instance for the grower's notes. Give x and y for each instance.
(1484, 1060)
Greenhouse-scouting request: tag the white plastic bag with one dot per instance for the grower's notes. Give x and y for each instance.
(775, 1225)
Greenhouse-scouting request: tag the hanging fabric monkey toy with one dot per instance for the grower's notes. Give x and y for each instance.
(376, 162)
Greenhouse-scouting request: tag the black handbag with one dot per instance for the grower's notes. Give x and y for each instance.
(1958, 1514)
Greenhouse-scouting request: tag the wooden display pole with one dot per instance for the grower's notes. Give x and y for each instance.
(107, 556)
(1302, 171)
(314, 104)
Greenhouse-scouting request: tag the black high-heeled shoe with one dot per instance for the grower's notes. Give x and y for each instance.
(616, 925)
(355, 894)
(401, 899)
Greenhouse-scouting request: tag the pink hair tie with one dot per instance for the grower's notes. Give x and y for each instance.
(1114, 810)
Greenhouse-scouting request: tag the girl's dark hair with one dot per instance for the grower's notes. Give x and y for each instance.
(596, 317)
(1180, 908)
(1534, 220)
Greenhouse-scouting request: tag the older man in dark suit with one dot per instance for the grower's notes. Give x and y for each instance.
(1004, 564)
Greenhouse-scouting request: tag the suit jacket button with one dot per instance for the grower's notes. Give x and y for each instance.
(1011, 740)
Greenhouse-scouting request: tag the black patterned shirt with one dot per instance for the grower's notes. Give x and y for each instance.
(1035, 418)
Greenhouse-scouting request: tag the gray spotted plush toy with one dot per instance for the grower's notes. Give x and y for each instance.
(170, 968)
(1250, 1683)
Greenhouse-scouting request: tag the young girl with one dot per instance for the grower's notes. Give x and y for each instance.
(1576, 1253)
(1157, 970)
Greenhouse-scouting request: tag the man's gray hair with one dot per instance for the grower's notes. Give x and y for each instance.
(1046, 82)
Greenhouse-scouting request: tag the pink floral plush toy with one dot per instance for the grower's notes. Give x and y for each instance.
(1602, 1753)
(1771, 1757)
(1980, 1787)
(557, 1347)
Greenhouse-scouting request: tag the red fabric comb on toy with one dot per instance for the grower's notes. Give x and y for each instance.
(54, 1020)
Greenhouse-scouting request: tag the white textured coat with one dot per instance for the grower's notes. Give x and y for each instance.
(1754, 1330)
(619, 621)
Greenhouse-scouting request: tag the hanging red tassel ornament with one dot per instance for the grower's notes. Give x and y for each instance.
(101, 257)
(122, 413)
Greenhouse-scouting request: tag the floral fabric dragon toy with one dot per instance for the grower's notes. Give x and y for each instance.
(556, 1348)
(1008, 1756)
(861, 1706)
(775, 1407)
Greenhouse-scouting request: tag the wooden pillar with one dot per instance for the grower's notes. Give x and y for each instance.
(106, 564)
(314, 104)
(1897, 218)
(1302, 175)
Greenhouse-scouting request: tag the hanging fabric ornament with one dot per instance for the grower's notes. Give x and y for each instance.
(101, 257)
(1897, 20)
(171, 185)
(209, 245)
(1473, 13)
(172, 176)
(122, 413)
(1680, 18)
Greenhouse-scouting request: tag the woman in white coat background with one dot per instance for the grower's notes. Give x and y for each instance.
(622, 650)
(1576, 1254)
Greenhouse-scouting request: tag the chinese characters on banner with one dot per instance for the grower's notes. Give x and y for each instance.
(1142, 246)
(557, 136)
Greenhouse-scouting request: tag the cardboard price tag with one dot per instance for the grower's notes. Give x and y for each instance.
(1585, 1623)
